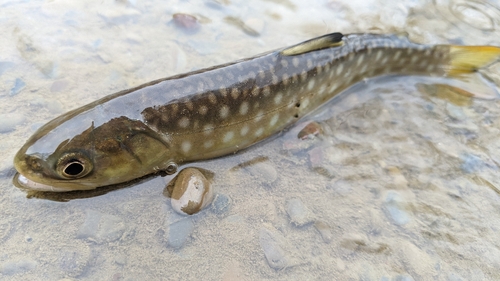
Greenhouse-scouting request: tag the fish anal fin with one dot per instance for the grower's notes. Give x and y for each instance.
(323, 42)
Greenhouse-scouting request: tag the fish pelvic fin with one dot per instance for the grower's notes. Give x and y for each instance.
(467, 59)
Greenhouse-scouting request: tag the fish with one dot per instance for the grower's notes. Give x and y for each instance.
(158, 126)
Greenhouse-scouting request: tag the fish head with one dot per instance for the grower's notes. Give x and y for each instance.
(74, 153)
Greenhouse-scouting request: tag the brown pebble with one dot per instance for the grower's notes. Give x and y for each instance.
(186, 21)
(310, 131)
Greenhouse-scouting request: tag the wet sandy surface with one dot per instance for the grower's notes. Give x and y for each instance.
(402, 183)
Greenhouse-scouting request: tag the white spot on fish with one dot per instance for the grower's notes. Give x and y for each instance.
(244, 130)
(322, 89)
(295, 62)
(274, 120)
(183, 122)
(285, 79)
(360, 59)
(208, 129)
(311, 83)
(303, 76)
(244, 108)
(259, 132)
(275, 79)
(378, 55)
(319, 69)
(203, 110)
(235, 93)
(278, 98)
(397, 54)
(339, 69)
(208, 144)
(304, 103)
(212, 98)
(309, 63)
(266, 91)
(333, 88)
(228, 136)
(262, 74)
(186, 146)
(363, 69)
(224, 111)
(413, 59)
(284, 63)
(259, 116)
(252, 75)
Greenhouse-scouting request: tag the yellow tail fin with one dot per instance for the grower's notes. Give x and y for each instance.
(467, 59)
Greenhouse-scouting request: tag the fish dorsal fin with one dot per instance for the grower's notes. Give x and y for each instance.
(323, 42)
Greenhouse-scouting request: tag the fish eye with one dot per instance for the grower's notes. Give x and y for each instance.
(73, 166)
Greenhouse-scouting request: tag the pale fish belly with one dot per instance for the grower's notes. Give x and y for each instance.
(233, 107)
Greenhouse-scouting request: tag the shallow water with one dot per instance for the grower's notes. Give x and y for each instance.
(401, 185)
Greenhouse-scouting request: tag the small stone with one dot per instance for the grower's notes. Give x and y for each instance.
(455, 112)
(17, 266)
(274, 246)
(5, 65)
(310, 131)
(58, 86)
(472, 163)
(19, 85)
(186, 22)
(101, 228)
(121, 259)
(179, 232)
(190, 192)
(342, 187)
(73, 259)
(221, 204)
(394, 208)
(5, 230)
(265, 172)
(399, 181)
(299, 214)
(10, 121)
(325, 230)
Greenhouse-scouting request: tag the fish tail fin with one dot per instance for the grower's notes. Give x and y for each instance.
(467, 59)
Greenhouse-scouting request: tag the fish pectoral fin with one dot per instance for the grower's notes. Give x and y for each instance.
(467, 59)
(323, 42)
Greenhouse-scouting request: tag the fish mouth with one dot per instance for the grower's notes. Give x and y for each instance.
(23, 182)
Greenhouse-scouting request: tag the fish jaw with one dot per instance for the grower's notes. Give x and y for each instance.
(23, 182)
